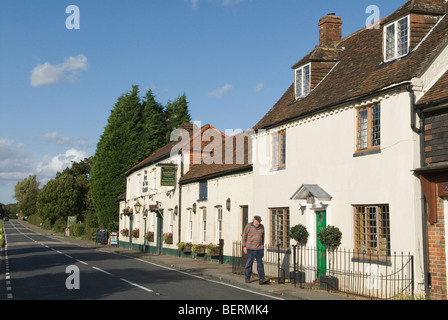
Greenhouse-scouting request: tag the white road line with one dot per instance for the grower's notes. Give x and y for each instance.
(101, 270)
(136, 285)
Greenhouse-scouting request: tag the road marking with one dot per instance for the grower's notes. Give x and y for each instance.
(136, 285)
(101, 270)
(7, 274)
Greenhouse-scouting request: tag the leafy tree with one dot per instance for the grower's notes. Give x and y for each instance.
(117, 151)
(177, 113)
(59, 198)
(154, 121)
(26, 192)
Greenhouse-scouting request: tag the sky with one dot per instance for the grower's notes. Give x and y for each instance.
(63, 64)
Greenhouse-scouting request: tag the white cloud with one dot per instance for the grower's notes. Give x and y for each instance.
(49, 166)
(259, 87)
(15, 163)
(59, 139)
(218, 93)
(47, 74)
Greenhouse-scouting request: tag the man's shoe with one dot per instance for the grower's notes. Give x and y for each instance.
(264, 281)
(247, 280)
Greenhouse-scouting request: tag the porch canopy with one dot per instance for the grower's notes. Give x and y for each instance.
(306, 191)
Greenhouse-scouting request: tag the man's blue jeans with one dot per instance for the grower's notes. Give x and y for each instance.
(250, 257)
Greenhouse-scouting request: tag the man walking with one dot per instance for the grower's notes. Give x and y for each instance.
(253, 247)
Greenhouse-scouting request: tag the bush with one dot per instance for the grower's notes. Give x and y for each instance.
(300, 234)
(77, 230)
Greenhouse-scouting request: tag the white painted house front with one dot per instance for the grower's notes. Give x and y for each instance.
(341, 145)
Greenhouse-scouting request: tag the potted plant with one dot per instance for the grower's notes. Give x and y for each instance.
(168, 238)
(300, 234)
(199, 249)
(135, 233)
(184, 247)
(149, 236)
(212, 250)
(331, 238)
(125, 232)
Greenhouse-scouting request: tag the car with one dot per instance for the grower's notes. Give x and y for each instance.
(5, 218)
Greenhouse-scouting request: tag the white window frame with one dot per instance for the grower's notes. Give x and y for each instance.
(203, 225)
(218, 223)
(190, 225)
(305, 84)
(396, 55)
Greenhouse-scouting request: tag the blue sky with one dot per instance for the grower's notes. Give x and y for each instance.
(232, 58)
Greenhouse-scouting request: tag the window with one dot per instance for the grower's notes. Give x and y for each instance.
(368, 128)
(280, 227)
(279, 149)
(396, 39)
(372, 229)
(203, 191)
(303, 81)
(190, 226)
(204, 225)
(218, 224)
(171, 220)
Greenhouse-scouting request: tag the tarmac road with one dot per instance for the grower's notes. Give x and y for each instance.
(35, 266)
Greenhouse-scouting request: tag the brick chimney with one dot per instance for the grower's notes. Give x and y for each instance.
(330, 30)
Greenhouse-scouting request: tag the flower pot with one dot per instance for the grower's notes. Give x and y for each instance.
(329, 283)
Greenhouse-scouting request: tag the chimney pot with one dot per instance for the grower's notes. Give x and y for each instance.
(330, 30)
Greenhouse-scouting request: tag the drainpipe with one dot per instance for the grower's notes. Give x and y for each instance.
(420, 132)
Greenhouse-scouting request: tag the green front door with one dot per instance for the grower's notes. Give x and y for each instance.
(321, 223)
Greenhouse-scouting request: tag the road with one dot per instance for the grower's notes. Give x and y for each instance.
(38, 267)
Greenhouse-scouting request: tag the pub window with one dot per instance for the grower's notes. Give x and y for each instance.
(279, 227)
(372, 229)
(204, 225)
(203, 191)
(218, 223)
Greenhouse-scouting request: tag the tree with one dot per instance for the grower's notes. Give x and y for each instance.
(58, 199)
(26, 192)
(155, 126)
(177, 113)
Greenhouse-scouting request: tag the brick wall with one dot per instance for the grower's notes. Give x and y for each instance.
(437, 254)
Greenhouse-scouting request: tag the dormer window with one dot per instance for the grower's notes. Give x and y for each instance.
(396, 39)
(303, 81)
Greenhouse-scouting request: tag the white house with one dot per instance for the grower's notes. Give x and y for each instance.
(341, 145)
(152, 203)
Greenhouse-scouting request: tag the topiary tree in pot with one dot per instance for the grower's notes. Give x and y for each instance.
(300, 234)
(331, 238)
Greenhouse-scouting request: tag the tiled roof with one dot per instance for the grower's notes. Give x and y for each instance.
(241, 161)
(438, 92)
(361, 70)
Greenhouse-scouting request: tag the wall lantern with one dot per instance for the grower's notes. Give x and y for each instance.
(176, 210)
(228, 204)
(194, 207)
(137, 207)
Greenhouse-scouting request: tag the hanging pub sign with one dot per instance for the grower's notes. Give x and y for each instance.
(168, 178)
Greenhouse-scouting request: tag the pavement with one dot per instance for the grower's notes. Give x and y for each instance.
(210, 270)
